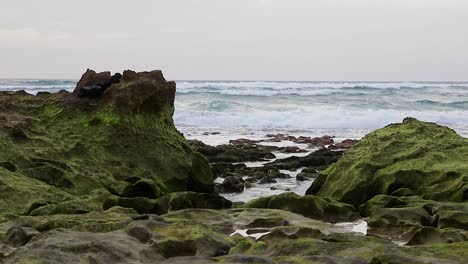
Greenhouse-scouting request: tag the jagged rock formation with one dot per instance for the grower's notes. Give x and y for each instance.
(69, 153)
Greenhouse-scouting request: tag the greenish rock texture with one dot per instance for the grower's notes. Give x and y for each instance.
(410, 180)
(414, 157)
(65, 154)
(309, 206)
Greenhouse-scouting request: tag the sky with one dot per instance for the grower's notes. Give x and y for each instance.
(303, 40)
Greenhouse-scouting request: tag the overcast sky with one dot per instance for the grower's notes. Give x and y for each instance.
(237, 39)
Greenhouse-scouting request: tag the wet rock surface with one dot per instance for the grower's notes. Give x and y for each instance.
(319, 159)
(230, 166)
(211, 236)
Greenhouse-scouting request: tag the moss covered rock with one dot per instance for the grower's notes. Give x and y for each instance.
(64, 154)
(411, 218)
(310, 206)
(414, 157)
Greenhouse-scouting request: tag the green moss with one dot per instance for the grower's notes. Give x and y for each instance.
(424, 158)
(72, 155)
(108, 116)
(51, 111)
(96, 221)
(309, 205)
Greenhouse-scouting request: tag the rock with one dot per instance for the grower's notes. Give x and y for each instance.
(240, 150)
(5, 250)
(309, 206)
(319, 159)
(63, 154)
(403, 192)
(183, 200)
(266, 180)
(89, 78)
(140, 233)
(65, 246)
(389, 258)
(451, 215)
(91, 91)
(307, 174)
(189, 260)
(279, 137)
(431, 235)
(220, 169)
(316, 141)
(8, 165)
(19, 236)
(244, 141)
(232, 184)
(345, 144)
(204, 236)
(426, 158)
(411, 218)
(291, 149)
(235, 258)
(233, 153)
(253, 174)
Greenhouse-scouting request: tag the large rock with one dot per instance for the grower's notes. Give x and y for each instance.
(68, 153)
(309, 206)
(416, 157)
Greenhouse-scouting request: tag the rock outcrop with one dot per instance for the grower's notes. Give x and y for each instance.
(410, 180)
(73, 153)
(424, 158)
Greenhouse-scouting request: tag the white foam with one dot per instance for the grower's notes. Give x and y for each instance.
(194, 85)
(244, 233)
(262, 190)
(358, 226)
(311, 118)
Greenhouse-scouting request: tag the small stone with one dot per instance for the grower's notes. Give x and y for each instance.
(18, 236)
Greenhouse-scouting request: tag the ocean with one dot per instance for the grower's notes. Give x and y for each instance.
(342, 109)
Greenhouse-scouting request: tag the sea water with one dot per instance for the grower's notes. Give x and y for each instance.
(344, 109)
(255, 108)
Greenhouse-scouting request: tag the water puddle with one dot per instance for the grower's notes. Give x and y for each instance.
(266, 189)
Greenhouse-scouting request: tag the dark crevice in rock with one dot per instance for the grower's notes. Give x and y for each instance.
(8, 166)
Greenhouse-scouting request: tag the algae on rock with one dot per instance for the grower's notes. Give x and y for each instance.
(424, 159)
(60, 149)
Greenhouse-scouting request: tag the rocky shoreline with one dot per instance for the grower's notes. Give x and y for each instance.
(101, 175)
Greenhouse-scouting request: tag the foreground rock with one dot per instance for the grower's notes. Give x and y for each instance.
(74, 153)
(220, 236)
(309, 206)
(78, 169)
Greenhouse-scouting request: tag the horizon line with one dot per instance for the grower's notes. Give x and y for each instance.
(259, 80)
